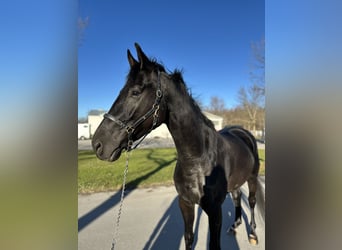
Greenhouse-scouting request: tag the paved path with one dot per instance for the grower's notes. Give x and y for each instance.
(151, 219)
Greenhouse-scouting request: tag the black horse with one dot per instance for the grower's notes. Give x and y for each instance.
(209, 164)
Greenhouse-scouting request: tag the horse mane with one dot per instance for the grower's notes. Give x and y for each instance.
(177, 78)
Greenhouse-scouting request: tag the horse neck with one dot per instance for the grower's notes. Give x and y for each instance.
(190, 130)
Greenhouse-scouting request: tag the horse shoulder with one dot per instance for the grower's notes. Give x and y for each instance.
(189, 178)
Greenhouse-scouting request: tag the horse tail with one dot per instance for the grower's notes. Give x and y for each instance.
(249, 140)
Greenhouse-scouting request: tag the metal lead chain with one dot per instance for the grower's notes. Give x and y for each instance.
(116, 234)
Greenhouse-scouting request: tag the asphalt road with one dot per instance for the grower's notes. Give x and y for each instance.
(151, 219)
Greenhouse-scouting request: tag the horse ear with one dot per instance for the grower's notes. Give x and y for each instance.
(143, 59)
(131, 59)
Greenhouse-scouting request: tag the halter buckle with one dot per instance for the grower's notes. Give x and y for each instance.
(129, 130)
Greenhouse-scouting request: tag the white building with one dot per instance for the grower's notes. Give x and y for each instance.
(94, 119)
(96, 116)
(83, 131)
(216, 120)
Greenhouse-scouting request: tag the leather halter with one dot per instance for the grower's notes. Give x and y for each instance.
(131, 128)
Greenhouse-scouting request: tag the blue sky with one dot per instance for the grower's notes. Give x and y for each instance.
(209, 41)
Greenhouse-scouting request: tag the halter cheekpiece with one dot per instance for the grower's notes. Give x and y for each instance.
(131, 128)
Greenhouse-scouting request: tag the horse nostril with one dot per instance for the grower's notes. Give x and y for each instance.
(98, 148)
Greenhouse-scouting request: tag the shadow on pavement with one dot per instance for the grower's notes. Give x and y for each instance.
(228, 240)
(98, 211)
(168, 233)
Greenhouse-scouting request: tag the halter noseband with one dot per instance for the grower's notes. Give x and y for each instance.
(131, 128)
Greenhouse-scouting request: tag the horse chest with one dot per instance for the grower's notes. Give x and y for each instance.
(189, 184)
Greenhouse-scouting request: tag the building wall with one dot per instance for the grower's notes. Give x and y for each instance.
(162, 132)
(217, 120)
(83, 130)
(94, 121)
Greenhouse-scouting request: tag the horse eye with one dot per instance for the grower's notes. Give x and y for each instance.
(135, 93)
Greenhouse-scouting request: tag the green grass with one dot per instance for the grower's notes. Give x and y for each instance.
(262, 161)
(147, 167)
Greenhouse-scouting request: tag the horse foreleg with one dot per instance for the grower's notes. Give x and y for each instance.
(252, 186)
(188, 212)
(215, 223)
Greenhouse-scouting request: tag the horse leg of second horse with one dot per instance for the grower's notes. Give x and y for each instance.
(236, 194)
(188, 212)
(252, 186)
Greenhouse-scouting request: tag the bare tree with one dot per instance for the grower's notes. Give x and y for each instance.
(252, 98)
(257, 73)
(236, 116)
(82, 119)
(216, 105)
(251, 101)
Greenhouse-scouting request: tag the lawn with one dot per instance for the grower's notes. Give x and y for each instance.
(262, 161)
(147, 167)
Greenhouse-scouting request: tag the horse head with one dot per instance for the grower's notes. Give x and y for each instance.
(138, 109)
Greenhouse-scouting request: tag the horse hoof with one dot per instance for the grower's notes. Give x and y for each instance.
(253, 240)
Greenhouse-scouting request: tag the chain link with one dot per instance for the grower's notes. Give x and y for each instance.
(116, 234)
